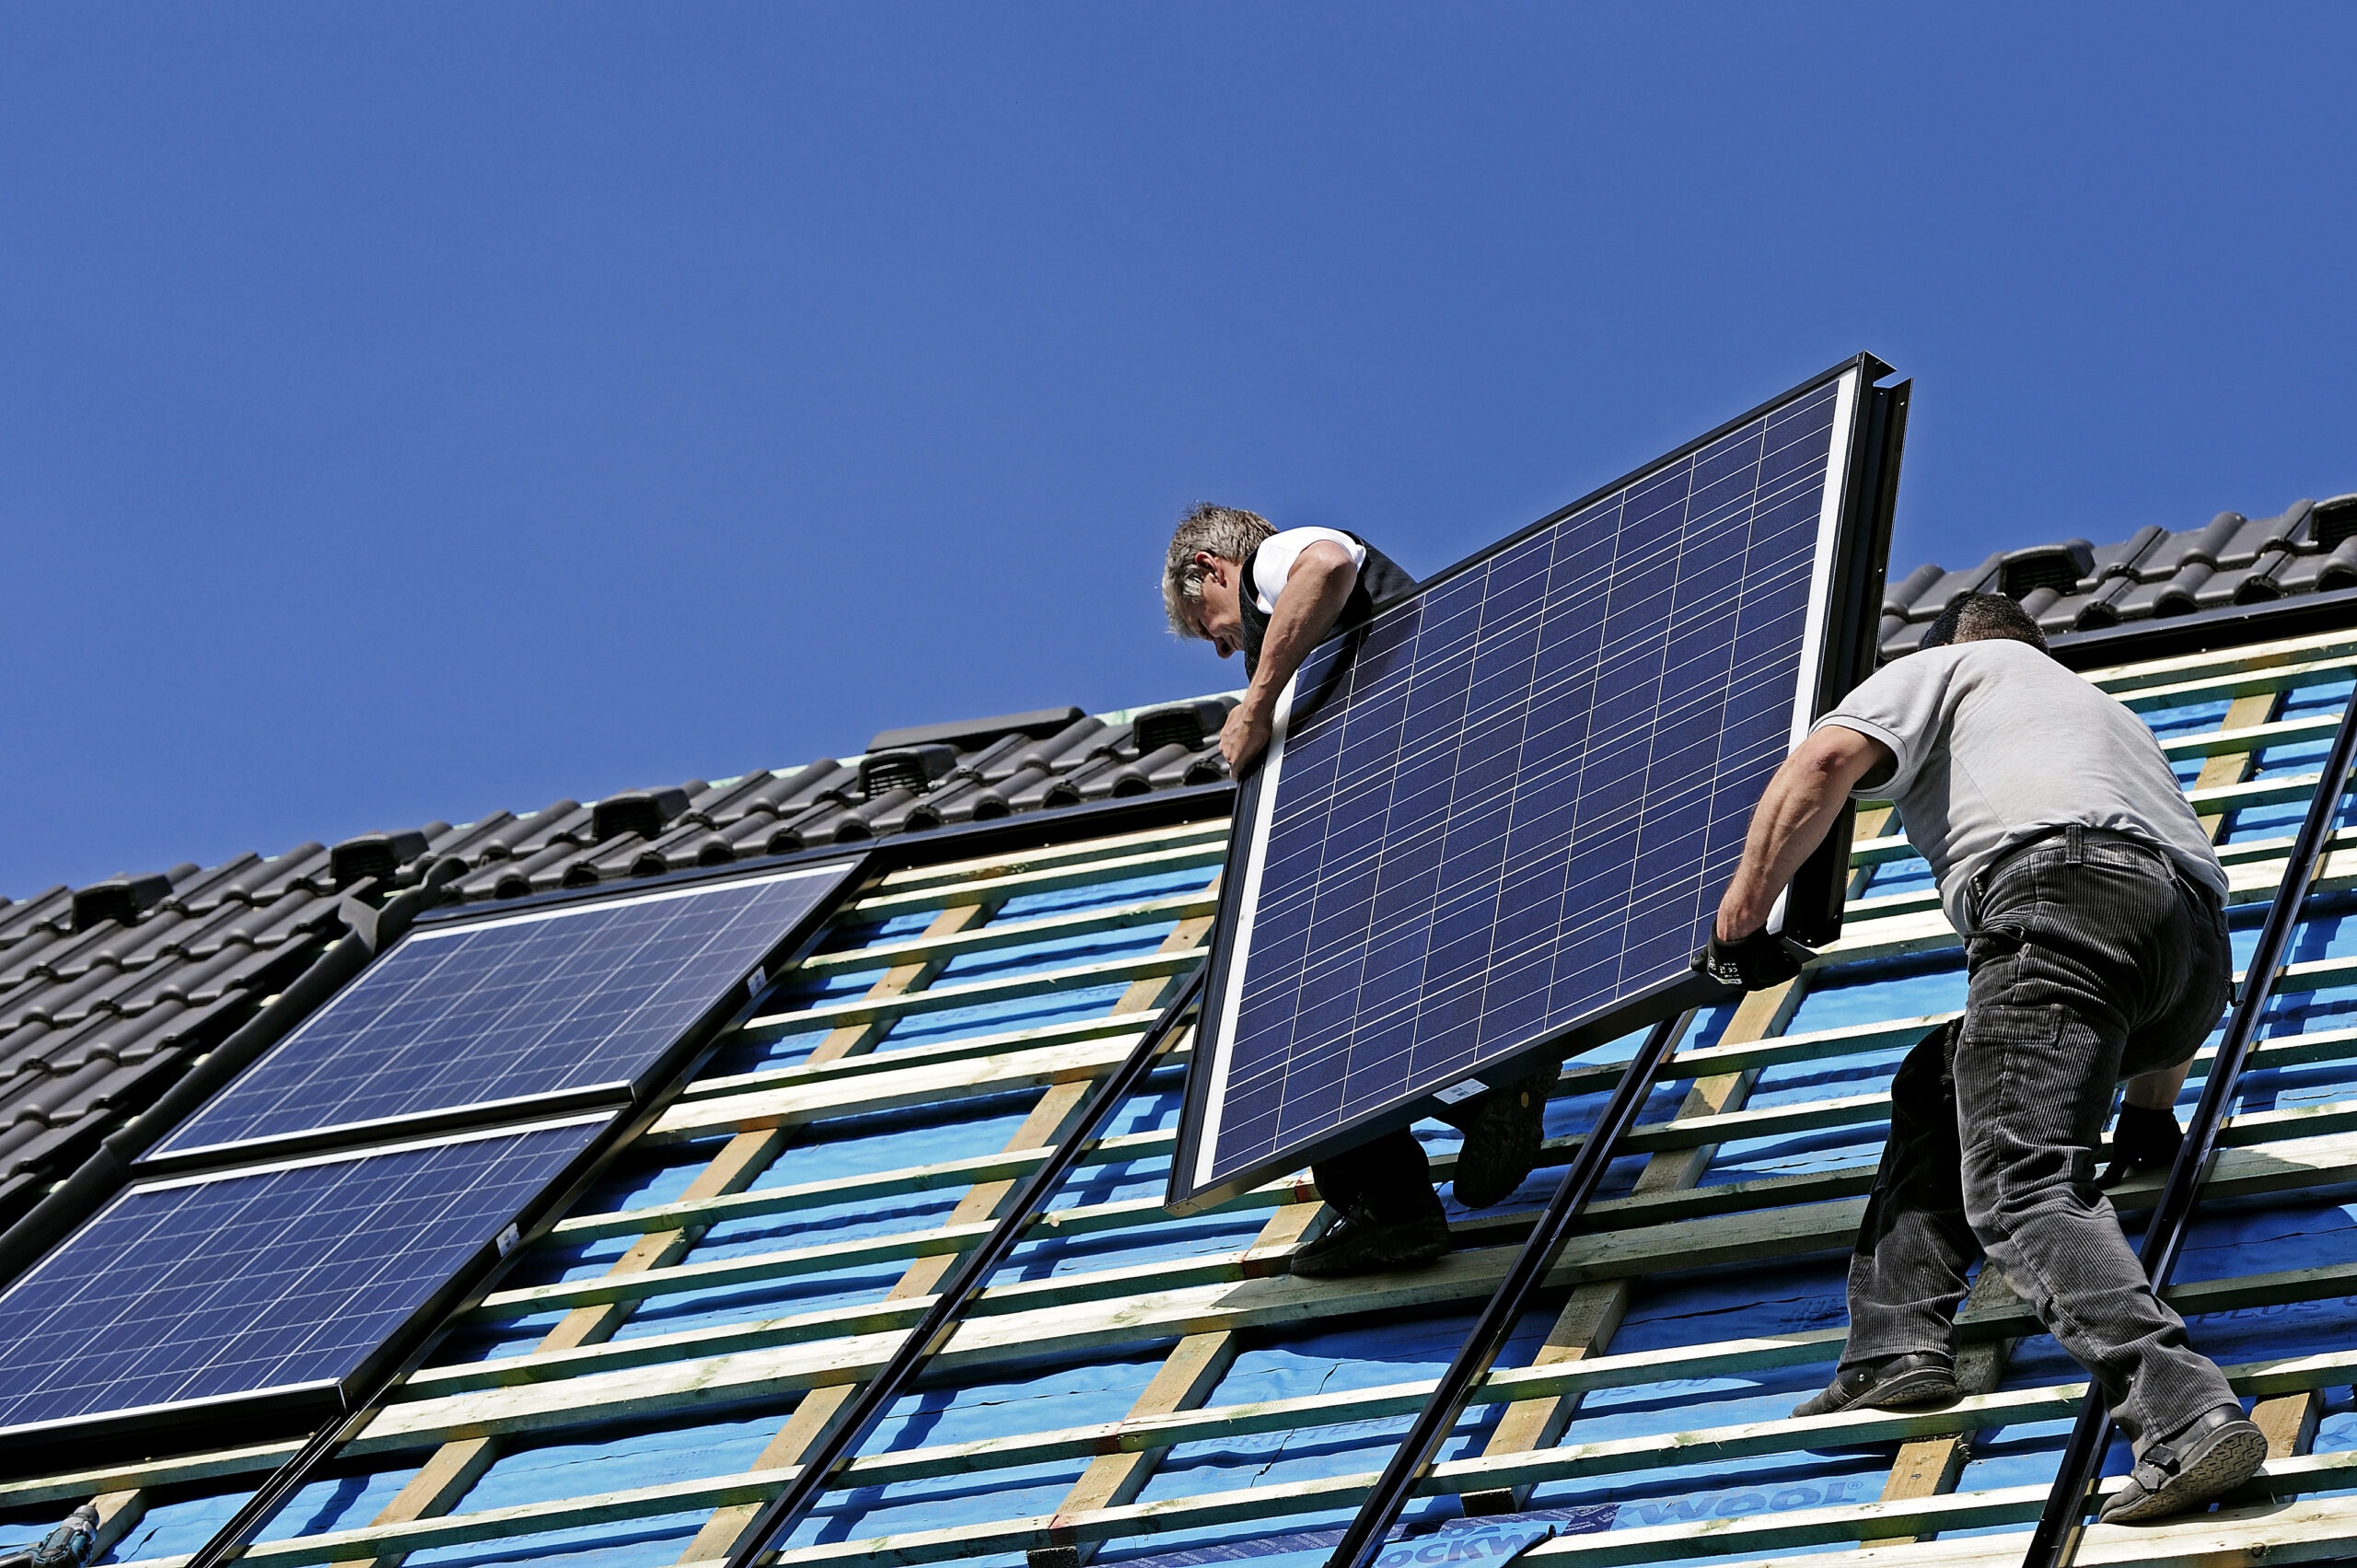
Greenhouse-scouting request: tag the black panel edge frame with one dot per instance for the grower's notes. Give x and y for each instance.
(365, 1391)
(1023, 1210)
(1674, 996)
(1813, 904)
(222, 1159)
(2054, 1541)
(1363, 1538)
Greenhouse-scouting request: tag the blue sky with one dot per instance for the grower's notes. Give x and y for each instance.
(412, 411)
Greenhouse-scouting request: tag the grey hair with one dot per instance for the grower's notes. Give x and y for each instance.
(1228, 532)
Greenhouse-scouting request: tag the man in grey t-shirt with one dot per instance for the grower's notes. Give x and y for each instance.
(2092, 909)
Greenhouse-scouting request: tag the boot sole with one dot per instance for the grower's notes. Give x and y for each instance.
(2220, 1462)
(1318, 1269)
(1918, 1388)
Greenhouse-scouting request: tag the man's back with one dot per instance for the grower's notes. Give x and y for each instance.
(1996, 743)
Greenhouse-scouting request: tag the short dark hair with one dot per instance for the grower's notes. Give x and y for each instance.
(1973, 618)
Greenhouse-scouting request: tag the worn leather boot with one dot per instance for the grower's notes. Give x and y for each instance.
(1896, 1382)
(1501, 1147)
(1363, 1240)
(2217, 1451)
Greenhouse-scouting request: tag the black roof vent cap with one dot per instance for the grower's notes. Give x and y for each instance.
(373, 854)
(906, 767)
(119, 897)
(2335, 521)
(2058, 566)
(641, 811)
(968, 734)
(1181, 724)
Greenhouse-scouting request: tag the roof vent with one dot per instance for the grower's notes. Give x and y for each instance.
(1184, 724)
(373, 854)
(968, 735)
(2336, 521)
(2058, 566)
(120, 898)
(640, 811)
(910, 768)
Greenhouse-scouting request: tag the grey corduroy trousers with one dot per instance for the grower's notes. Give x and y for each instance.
(2095, 960)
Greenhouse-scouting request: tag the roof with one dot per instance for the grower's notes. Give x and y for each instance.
(108, 992)
(1166, 1388)
(2152, 575)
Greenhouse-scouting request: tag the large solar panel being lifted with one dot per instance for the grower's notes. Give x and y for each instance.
(489, 1013)
(1496, 823)
(279, 1280)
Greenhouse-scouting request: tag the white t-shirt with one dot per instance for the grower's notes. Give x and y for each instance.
(1272, 563)
(1997, 742)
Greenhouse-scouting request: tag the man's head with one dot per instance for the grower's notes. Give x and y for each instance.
(1974, 618)
(1202, 576)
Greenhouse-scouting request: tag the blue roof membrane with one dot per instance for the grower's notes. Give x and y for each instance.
(982, 1403)
(2293, 757)
(528, 1472)
(1320, 1360)
(828, 1150)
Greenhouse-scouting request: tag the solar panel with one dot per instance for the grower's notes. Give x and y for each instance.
(488, 1014)
(1495, 822)
(275, 1280)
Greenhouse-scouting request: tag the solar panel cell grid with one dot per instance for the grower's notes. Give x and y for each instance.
(277, 1278)
(1509, 812)
(495, 1011)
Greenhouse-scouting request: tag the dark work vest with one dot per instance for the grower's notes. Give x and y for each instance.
(1380, 579)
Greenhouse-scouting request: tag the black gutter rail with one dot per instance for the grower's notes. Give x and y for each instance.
(782, 1513)
(1363, 1539)
(2062, 1523)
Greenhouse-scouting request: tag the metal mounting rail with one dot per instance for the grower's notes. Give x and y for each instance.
(1363, 1538)
(780, 1514)
(2062, 1523)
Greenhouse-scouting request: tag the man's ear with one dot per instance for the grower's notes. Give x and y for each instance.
(1213, 565)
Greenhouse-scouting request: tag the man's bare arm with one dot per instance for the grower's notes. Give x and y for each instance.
(1794, 815)
(1321, 578)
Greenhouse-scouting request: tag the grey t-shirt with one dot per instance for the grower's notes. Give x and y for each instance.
(1996, 742)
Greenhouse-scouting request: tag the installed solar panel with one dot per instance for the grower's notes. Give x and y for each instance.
(278, 1280)
(1499, 822)
(488, 1013)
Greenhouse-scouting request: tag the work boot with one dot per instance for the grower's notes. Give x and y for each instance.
(1363, 1240)
(1894, 1382)
(2217, 1451)
(1501, 1147)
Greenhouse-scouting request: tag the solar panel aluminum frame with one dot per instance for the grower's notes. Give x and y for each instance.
(337, 1411)
(263, 1413)
(1854, 547)
(613, 1096)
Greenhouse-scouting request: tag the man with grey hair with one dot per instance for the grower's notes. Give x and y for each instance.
(1232, 580)
(2092, 909)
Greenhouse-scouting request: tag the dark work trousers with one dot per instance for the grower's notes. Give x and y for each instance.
(1389, 1177)
(2095, 960)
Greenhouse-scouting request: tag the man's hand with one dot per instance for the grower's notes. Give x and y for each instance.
(2146, 1139)
(1244, 734)
(1755, 963)
(1314, 592)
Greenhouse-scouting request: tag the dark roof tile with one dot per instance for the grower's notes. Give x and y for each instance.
(2153, 574)
(51, 910)
(968, 735)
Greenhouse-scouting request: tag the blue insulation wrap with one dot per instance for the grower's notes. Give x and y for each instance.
(1073, 1391)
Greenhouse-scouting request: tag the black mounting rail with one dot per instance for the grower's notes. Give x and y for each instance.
(2063, 1522)
(1363, 1539)
(780, 1514)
